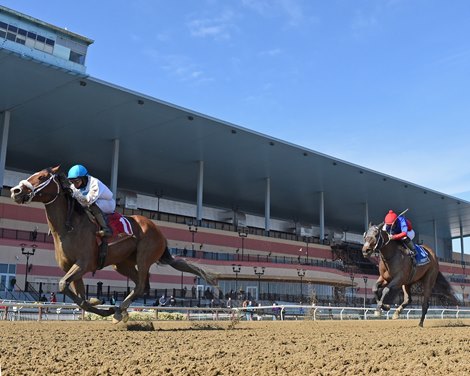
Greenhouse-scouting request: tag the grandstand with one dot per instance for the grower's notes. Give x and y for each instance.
(277, 221)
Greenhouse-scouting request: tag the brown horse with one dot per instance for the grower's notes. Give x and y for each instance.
(397, 269)
(76, 248)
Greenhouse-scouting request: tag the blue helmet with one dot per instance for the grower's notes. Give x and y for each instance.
(77, 171)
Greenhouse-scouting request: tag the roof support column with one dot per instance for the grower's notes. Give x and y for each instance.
(4, 143)
(200, 184)
(461, 245)
(322, 217)
(366, 216)
(115, 166)
(435, 235)
(267, 207)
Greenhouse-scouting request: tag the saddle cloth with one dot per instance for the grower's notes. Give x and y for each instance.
(422, 257)
(120, 225)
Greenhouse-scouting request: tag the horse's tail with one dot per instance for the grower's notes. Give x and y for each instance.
(443, 290)
(185, 266)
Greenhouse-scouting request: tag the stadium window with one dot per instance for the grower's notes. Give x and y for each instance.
(11, 36)
(76, 57)
(12, 28)
(20, 39)
(3, 25)
(3, 34)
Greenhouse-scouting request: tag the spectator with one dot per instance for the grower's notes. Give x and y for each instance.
(53, 298)
(162, 301)
(276, 311)
(229, 303)
(172, 301)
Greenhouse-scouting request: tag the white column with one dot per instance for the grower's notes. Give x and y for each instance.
(366, 216)
(322, 216)
(4, 143)
(461, 244)
(200, 185)
(267, 207)
(435, 235)
(115, 166)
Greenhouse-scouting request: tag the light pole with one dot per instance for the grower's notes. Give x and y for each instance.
(158, 194)
(192, 229)
(259, 273)
(307, 241)
(351, 275)
(236, 269)
(242, 234)
(463, 294)
(365, 278)
(301, 274)
(27, 253)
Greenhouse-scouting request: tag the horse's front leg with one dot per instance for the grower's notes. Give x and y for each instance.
(386, 290)
(376, 288)
(75, 273)
(406, 301)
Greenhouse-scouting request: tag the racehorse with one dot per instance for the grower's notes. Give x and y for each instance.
(397, 269)
(76, 246)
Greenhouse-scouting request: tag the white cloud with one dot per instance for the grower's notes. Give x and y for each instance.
(218, 28)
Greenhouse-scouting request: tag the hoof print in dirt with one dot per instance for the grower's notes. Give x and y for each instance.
(141, 326)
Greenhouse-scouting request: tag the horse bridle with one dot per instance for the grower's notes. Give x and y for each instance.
(36, 190)
(381, 242)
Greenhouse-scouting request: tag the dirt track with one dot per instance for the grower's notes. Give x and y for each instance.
(251, 348)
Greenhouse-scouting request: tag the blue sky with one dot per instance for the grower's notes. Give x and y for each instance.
(384, 84)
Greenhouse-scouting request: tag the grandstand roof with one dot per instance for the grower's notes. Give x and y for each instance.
(59, 117)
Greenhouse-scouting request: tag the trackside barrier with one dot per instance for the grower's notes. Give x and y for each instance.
(28, 311)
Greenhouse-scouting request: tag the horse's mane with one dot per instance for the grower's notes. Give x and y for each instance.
(65, 185)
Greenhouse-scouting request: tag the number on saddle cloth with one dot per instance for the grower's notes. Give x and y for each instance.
(422, 256)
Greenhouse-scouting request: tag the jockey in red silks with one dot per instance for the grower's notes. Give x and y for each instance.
(399, 228)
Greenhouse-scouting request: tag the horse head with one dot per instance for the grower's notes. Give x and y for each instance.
(38, 187)
(373, 240)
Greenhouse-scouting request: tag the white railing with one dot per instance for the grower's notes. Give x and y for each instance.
(28, 311)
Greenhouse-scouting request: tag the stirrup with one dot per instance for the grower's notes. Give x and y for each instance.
(104, 233)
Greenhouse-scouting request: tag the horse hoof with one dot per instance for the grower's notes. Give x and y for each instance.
(117, 317)
(94, 301)
(125, 316)
(395, 316)
(377, 313)
(386, 307)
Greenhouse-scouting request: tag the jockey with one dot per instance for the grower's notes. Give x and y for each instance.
(91, 193)
(399, 228)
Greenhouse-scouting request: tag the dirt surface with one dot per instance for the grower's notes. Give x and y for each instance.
(210, 348)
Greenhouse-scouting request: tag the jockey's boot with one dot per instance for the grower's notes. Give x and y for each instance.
(411, 247)
(105, 231)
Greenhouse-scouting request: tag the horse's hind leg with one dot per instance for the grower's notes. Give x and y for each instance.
(406, 301)
(427, 291)
(79, 287)
(128, 269)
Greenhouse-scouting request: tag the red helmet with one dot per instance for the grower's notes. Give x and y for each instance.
(390, 217)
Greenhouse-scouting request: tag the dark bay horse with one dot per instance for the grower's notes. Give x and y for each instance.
(76, 248)
(397, 270)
